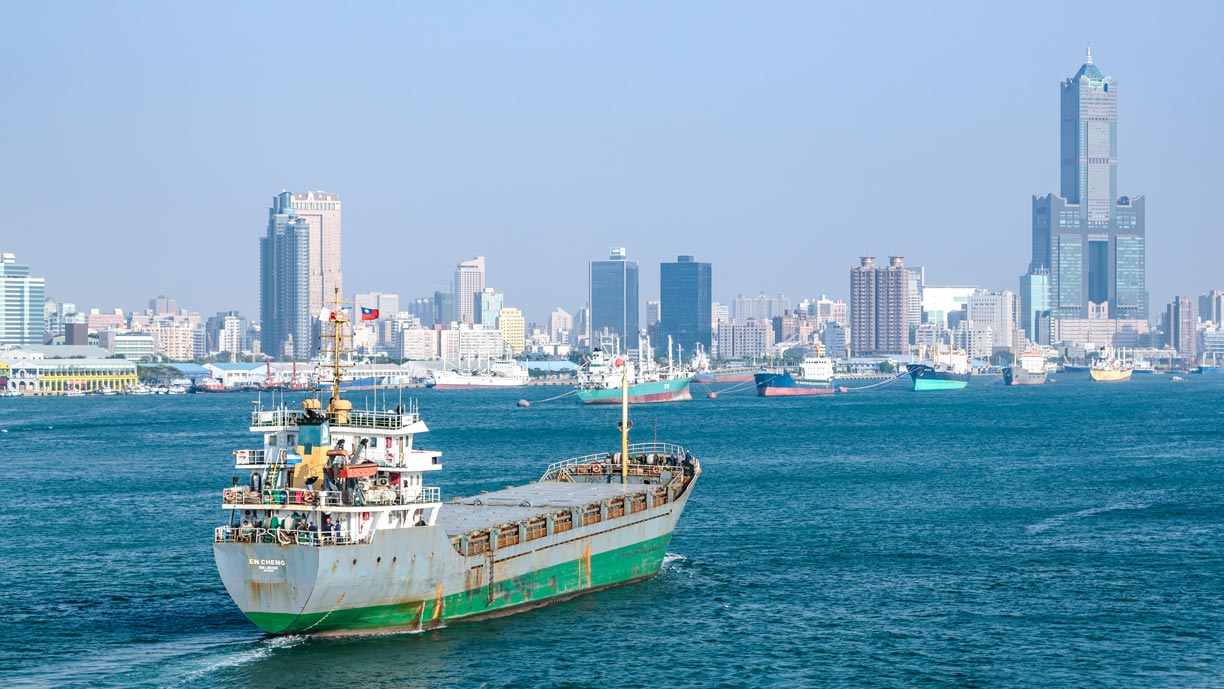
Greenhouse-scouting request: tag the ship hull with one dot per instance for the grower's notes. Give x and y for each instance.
(785, 385)
(1020, 376)
(641, 393)
(1108, 376)
(927, 379)
(727, 378)
(466, 385)
(409, 579)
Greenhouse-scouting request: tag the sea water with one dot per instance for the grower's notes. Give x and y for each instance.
(1070, 534)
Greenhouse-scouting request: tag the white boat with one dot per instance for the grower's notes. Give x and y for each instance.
(498, 373)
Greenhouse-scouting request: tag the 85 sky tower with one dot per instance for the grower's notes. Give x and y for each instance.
(1091, 241)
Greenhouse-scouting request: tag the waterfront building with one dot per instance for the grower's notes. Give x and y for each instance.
(469, 341)
(285, 311)
(1000, 311)
(613, 293)
(686, 304)
(1035, 306)
(836, 339)
(977, 340)
(490, 307)
(880, 307)
(744, 340)
(1092, 242)
(469, 283)
(416, 343)
(513, 329)
(321, 211)
(1211, 307)
(560, 325)
(1211, 344)
(22, 300)
(1101, 330)
(31, 373)
(1181, 319)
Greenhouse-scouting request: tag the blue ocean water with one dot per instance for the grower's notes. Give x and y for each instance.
(1064, 535)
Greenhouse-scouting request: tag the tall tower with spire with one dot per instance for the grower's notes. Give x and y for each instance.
(1091, 241)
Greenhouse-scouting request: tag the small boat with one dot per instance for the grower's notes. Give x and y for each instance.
(1178, 379)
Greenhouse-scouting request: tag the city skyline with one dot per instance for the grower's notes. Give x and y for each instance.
(735, 190)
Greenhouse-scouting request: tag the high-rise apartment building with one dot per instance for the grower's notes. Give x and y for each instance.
(1092, 242)
(613, 295)
(999, 311)
(686, 288)
(284, 274)
(321, 211)
(21, 303)
(469, 283)
(513, 329)
(1181, 323)
(1211, 307)
(488, 310)
(880, 307)
(227, 332)
(560, 325)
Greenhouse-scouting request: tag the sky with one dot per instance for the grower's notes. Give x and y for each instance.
(141, 143)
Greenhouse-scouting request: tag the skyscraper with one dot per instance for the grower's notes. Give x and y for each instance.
(687, 297)
(21, 303)
(1035, 306)
(488, 308)
(284, 278)
(614, 298)
(513, 329)
(560, 326)
(444, 308)
(469, 282)
(1181, 322)
(1211, 307)
(321, 211)
(1092, 243)
(880, 307)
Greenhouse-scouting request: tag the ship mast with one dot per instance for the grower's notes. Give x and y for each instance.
(624, 423)
(339, 408)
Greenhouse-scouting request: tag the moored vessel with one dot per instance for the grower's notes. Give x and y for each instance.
(1110, 370)
(947, 371)
(336, 533)
(500, 373)
(813, 377)
(607, 372)
(1029, 369)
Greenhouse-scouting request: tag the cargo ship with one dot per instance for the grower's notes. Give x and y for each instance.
(947, 371)
(814, 377)
(501, 373)
(1029, 370)
(335, 533)
(607, 372)
(1110, 371)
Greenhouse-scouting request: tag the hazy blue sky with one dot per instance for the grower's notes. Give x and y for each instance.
(142, 143)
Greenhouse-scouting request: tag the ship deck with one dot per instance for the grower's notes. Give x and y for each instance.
(524, 502)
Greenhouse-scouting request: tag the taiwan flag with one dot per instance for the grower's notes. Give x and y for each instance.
(369, 314)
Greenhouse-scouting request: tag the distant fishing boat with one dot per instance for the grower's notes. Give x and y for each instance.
(1111, 370)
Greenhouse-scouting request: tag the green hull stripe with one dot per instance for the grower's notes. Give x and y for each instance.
(567, 579)
(924, 385)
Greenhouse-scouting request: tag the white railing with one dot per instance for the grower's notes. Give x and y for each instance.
(295, 497)
(659, 450)
(308, 537)
(384, 420)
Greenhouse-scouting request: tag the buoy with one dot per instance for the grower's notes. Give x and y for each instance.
(524, 403)
(713, 395)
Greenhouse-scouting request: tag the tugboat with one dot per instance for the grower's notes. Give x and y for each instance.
(332, 530)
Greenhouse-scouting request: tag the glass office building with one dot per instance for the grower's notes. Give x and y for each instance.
(284, 284)
(687, 299)
(613, 288)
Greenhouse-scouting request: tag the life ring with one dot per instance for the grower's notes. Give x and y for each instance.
(596, 468)
(654, 471)
(309, 497)
(365, 516)
(228, 496)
